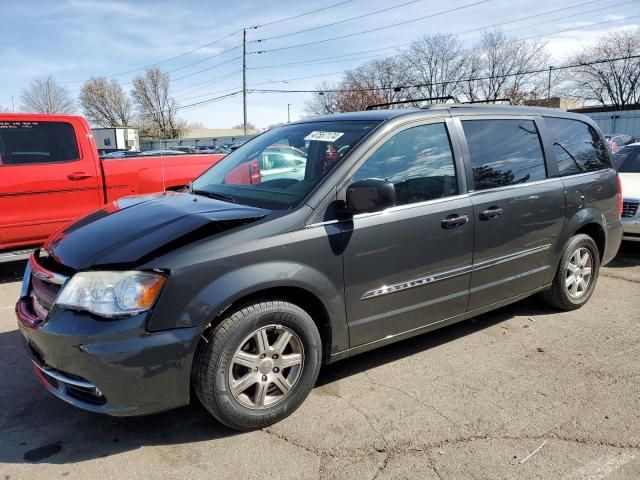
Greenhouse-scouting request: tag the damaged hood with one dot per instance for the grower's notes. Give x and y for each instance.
(134, 230)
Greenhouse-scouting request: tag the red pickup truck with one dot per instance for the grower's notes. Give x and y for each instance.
(50, 174)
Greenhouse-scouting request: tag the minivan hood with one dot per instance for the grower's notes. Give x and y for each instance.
(133, 230)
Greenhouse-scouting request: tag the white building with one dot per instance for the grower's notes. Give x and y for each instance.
(117, 138)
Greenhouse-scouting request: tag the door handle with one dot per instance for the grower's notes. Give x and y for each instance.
(491, 213)
(78, 176)
(454, 221)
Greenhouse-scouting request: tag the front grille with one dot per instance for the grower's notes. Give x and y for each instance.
(45, 286)
(630, 208)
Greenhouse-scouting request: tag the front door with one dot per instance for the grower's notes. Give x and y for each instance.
(45, 180)
(518, 210)
(409, 266)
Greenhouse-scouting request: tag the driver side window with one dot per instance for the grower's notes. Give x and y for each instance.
(418, 161)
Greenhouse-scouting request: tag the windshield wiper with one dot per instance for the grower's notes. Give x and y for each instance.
(215, 195)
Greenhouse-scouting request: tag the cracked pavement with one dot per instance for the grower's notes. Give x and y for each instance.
(468, 401)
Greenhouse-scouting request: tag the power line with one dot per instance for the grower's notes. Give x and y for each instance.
(528, 17)
(210, 100)
(357, 17)
(206, 69)
(462, 80)
(548, 12)
(462, 7)
(302, 14)
(213, 42)
(207, 82)
(495, 25)
(569, 16)
(578, 28)
(319, 60)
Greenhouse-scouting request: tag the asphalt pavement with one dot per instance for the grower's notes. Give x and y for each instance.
(522, 392)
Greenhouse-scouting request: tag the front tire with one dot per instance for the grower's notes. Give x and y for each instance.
(577, 274)
(258, 365)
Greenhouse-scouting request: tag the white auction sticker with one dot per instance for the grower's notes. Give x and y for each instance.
(323, 136)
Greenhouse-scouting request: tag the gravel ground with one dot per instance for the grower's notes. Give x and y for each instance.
(473, 400)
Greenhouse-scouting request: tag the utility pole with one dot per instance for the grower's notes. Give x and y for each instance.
(288, 113)
(244, 79)
(549, 88)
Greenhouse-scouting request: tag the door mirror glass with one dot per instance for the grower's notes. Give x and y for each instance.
(370, 195)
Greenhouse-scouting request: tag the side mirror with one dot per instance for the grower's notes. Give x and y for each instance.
(370, 195)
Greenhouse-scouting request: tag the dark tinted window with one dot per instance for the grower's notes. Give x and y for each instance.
(418, 161)
(577, 146)
(37, 142)
(628, 160)
(504, 152)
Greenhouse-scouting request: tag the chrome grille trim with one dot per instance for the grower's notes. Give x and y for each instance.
(630, 208)
(44, 274)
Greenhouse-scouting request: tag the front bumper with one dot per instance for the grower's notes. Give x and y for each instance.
(631, 227)
(114, 367)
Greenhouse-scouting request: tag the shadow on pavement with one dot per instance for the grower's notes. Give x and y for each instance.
(628, 256)
(35, 427)
(12, 271)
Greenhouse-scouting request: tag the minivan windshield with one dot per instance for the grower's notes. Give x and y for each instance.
(277, 169)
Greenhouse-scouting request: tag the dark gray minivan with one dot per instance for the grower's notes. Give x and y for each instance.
(315, 241)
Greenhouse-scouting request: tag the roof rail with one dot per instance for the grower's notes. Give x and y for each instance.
(505, 99)
(399, 102)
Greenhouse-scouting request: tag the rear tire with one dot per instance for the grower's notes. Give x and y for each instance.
(258, 365)
(577, 274)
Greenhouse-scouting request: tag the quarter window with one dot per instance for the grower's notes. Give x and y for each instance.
(504, 152)
(418, 161)
(25, 143)
(577, 146)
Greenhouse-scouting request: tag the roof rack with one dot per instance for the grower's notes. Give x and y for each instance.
(399, 102)
(505, 99)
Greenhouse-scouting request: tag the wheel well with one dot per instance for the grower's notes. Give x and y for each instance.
(596, 232)
(298, 296)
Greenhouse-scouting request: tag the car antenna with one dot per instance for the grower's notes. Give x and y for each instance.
(164, 187)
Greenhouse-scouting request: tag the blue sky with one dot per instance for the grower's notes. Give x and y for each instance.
(74, 39)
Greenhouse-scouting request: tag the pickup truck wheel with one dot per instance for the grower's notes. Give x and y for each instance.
(258, 365)
(577, 273)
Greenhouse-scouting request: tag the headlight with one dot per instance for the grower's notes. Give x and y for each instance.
(111, 294)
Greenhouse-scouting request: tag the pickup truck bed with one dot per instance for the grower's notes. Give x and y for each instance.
(51, 174)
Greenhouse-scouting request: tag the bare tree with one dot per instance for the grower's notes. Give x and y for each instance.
(45, 95)
(157, 110)
(439, 64)
(324, 101)
(105, 103)
(500, 65)
(240, 126)
(608, 83)
(375, 82)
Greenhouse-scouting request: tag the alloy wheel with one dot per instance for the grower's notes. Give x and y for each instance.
(266, 367)
(578, 273)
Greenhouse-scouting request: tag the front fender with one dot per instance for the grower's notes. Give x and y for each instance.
(237, 284)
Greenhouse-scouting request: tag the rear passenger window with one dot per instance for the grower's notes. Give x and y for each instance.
(504, 152)
(26, 143)
(419, 163)
(577, 146)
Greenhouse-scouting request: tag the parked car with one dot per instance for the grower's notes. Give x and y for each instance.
(161, 153)
(184, 149)
(628, 160)
(404, 221)
(50, 174)
(620, 139)
(121, 154)
(205, 149)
